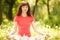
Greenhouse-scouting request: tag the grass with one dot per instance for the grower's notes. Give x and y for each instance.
(5, 29)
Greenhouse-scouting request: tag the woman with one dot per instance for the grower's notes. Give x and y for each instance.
(23, 20)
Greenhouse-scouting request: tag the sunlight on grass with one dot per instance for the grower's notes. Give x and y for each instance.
(53, 32)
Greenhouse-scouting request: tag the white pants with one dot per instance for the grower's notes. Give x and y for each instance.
(17, 37)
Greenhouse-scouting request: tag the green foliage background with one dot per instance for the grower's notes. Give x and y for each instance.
(43, 22)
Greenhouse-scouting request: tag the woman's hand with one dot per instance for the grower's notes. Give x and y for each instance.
(8, 36)
(47, 36)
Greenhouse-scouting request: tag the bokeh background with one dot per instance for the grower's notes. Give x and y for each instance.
(45, 12)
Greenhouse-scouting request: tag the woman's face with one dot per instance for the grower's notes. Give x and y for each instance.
(24, 8)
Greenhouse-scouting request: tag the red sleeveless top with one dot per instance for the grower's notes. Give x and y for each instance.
(24, 25)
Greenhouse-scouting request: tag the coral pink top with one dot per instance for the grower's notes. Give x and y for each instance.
(24, 25)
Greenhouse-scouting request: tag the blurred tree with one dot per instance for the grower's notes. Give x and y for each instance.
(10, 4)
(56, 12)
(1, 12)
(46, 2)
(35, 6)
(48, 9)
(54, 9)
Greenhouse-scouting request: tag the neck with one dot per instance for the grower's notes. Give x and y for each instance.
(24, 14)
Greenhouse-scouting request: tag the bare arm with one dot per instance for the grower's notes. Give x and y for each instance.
(14, 29)
(34, 27)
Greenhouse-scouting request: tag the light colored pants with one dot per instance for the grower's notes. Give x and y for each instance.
(17, 37)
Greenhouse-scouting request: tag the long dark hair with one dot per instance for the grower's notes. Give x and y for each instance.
(19, 11)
